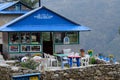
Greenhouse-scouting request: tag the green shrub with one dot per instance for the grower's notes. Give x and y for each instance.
(92, 60)
(31, 64)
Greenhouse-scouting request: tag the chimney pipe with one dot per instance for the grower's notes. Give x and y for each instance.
(39, 3)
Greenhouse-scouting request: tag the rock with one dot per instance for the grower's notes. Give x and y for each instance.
(14, 68)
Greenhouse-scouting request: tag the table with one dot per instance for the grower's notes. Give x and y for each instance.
(61, 57)
(77, 59)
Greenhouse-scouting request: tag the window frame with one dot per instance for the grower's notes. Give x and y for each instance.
(65, 33)
(20, 44)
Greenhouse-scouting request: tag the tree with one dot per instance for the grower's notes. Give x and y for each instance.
(31, 3)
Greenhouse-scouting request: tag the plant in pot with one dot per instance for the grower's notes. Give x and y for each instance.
(92, 60)
(111, 56)
(100, 55)
(90, 52)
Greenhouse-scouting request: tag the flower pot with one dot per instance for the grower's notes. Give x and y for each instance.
(90, 54)
(101, 57)
(111, 60)
(107, 59)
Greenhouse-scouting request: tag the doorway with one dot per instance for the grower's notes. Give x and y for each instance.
(47, 42)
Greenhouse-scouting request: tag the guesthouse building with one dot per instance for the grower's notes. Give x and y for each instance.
(9, 11)
(41, 30)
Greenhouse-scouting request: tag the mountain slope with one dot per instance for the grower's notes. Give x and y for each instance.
(102, 16)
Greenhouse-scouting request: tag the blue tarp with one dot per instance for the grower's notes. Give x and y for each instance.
(42, 19)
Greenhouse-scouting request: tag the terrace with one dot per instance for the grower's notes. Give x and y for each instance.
(94, 70)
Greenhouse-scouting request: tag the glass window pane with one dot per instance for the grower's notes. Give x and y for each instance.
(46, 36)
(14, 48)
(25, 38)
(73, 36)
(59, 36)
(14, 38)
(35, 48)
(35, 38)
(25, 48)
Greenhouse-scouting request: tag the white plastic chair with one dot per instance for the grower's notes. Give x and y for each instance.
(47, 56)
(42, 65)
(67, 51)
(64, 61)
(53, 59)
(84, 61)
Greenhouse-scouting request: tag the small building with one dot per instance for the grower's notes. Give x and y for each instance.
(10, 11)
(41, 30)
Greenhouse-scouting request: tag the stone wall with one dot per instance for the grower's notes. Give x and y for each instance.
(96, 72)
(5, 73)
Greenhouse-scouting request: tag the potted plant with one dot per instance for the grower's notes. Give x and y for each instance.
(107, 59)
(100, 55)
(90, 52)
(92, 60)
(111, 56)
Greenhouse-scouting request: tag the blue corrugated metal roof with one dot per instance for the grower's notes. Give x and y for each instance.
(6, 5)
(44, 28)
(42, 19)
(13, 12)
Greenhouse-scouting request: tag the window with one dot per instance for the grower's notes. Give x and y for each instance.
(25, 38)
(35, 48)
(13, 48)
(25, 48)
(60, 37)
(18, 7)
(25, 42)
(14, 38)
(73, 36)
(35, 38)
(30, 48)
(46, 36)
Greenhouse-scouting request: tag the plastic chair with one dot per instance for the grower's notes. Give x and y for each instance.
(67, 51)
(53, 59)
(42, 65)
(47, 56)
(84, 61)
(64, 61)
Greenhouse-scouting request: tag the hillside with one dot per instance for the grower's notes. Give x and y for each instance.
(102, 16)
